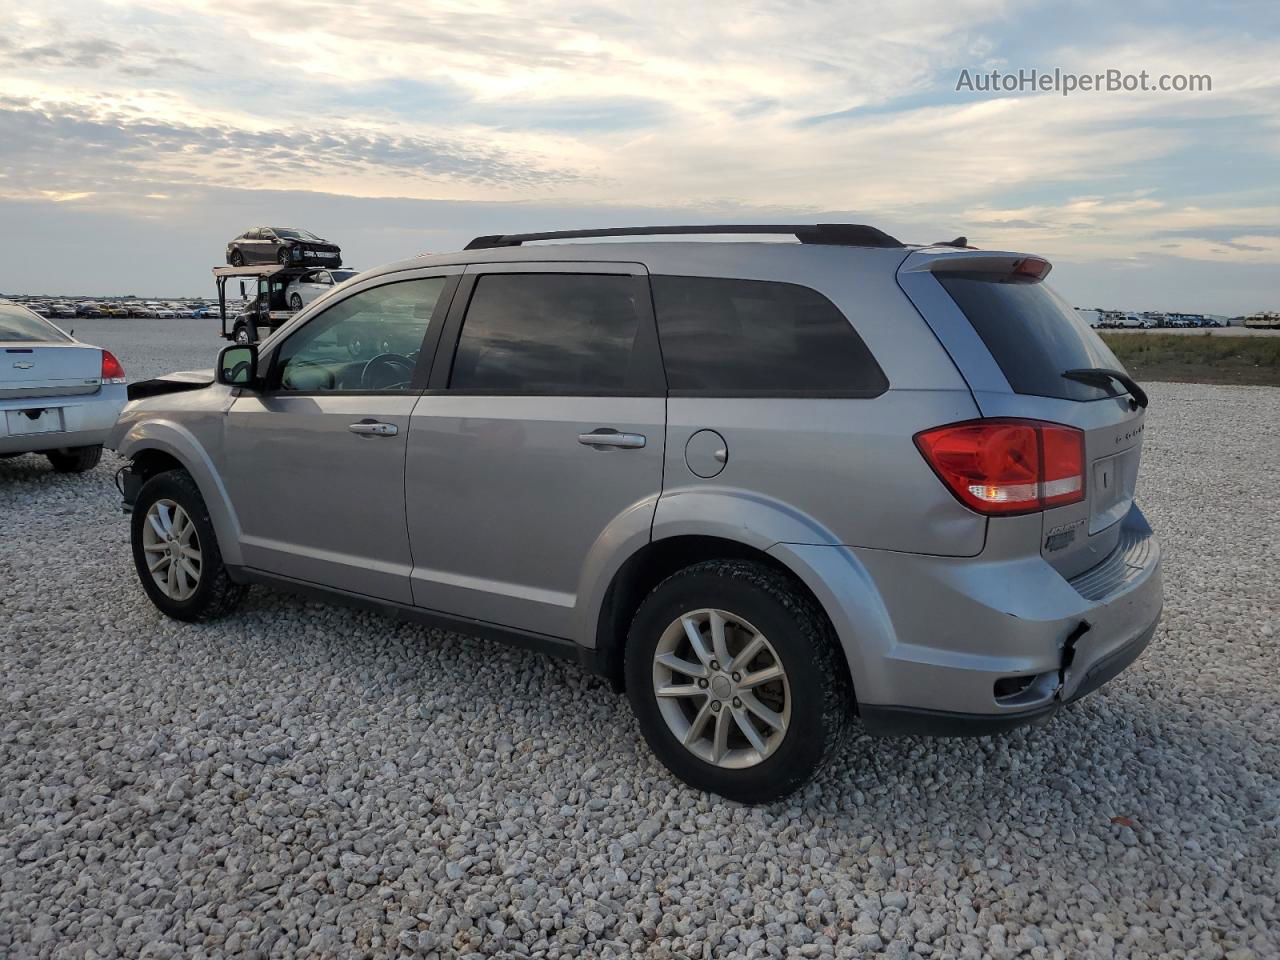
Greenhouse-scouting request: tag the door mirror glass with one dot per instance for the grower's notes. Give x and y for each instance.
(238, 365)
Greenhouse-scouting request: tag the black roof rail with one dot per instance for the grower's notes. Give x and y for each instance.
(847, 234)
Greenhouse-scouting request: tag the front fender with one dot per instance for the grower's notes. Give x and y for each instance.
(130, 439)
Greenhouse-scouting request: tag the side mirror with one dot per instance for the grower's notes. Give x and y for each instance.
(238, 365)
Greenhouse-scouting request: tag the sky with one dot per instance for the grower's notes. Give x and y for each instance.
(137, 138)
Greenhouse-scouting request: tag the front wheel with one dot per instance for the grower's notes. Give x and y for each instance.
(75, 459)
(737, 680)
(295, 302)
(282, 256)
(241, 333)
(175, 551)
(236, 259)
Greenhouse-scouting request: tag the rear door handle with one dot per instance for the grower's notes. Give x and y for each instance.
(374, 428)
(608, 437)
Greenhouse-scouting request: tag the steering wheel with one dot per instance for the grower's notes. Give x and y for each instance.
(386, 371)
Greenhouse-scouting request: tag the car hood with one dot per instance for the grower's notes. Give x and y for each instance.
(170, 383)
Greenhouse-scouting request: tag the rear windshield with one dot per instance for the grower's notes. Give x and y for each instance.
(1033, 334)
(20, 324)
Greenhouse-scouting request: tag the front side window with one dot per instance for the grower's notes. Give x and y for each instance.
(550, 333)
(368, 342)
(736, 338)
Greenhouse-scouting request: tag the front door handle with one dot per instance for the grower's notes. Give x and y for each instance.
(374, 428)
(608, 437)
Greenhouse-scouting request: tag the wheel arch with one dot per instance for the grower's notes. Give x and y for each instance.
(154, 446)
(658, 559)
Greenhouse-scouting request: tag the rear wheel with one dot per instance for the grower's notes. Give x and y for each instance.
(241, 333)
(282, 255)
(737, 682)
(175, 551)
(295, 302)
(75, 459)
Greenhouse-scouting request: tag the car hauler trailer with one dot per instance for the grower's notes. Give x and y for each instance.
(264, 310)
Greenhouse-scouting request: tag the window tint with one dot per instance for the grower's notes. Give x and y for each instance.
(745, 337)
(369, 341)
(548, 334)
(19, 324)
(1033, 334)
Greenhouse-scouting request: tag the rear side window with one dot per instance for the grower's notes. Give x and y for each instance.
(1033, 334)
(21, 325)
(550, 333)
(736, 338)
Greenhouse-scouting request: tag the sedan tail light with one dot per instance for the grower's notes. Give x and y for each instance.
(1004, 467)
(112, 371)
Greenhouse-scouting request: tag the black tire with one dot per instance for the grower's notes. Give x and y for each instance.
(236, 259)
(75, 459)
(216, 594)
(821, 696)
(295, 302)
(241, 333)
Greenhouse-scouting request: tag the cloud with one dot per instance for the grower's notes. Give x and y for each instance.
(757, 109)
(69, 143)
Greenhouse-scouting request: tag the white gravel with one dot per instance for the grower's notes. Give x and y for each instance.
(307, 780)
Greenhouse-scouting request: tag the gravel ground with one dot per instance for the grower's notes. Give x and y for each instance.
(307, 780)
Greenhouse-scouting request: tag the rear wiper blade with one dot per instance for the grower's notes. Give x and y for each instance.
(1104, 377)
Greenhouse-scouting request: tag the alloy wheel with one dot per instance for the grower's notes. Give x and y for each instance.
(721, 688)
(171, 547)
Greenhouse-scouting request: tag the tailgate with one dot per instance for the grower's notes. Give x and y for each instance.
(1012, 338)
(48, 370)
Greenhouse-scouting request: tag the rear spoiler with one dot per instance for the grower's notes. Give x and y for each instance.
(1002, 267)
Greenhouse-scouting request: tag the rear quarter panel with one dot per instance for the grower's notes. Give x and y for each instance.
(822, 470)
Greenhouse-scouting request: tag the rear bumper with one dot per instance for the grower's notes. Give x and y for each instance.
(886, 721)
(85, 420)
(957, 645)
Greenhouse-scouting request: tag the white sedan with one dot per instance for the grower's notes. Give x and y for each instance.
(311, 285)
(58, 396)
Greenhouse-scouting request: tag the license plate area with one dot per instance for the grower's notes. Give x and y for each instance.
(23, 423)
(1111, 491)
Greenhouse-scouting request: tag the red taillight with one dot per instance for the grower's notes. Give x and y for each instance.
(1003, 467)
(112, 372)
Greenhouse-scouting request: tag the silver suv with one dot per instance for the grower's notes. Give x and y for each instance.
(764, 487)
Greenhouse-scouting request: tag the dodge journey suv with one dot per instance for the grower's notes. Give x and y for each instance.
(770, 489)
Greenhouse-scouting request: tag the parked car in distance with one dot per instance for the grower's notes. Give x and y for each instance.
(766, 488)
(88, 308)
(58, 396)
(160, 311)
(117, 310)
(285, 245)
(308, 287)
(61, 311)
(40, 309)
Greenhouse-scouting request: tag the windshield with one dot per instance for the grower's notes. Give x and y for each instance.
(341, 276)
(288, 233)
(19, 324)
(1033, 334)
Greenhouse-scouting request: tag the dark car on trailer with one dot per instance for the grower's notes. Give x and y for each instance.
(283, 245)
